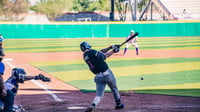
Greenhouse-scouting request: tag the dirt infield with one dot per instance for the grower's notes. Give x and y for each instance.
(57, 96)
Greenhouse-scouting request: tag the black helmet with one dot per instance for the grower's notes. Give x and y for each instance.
(84, 46)
(18, 74)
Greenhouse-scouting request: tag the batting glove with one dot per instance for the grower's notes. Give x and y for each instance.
(116, 50)
(114, 46)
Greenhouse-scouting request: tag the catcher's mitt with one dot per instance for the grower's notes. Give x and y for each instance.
(42, 78)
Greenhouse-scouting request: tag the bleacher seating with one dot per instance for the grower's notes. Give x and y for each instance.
(166, 10)
(176, 7)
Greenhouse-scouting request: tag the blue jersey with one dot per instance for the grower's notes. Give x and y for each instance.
(12, 85)
(95, 61)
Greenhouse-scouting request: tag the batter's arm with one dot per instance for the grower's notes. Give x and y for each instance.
(109, 48)
(106, 49)
(108, 54)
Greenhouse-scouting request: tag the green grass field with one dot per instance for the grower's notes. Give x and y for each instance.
(169, 76)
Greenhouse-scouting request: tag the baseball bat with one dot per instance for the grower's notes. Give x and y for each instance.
(136, 34)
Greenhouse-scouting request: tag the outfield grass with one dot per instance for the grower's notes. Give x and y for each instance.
(62, 45)
(169, 76)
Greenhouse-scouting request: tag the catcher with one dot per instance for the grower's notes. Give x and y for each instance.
(19, 76)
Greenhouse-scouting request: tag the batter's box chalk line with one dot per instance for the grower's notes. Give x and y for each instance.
(54, 96)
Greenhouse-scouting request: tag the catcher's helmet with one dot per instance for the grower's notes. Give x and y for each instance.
(84, 46)
(18, 74)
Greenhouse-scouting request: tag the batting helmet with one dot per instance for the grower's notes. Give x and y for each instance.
(84, 46)
(18, 74)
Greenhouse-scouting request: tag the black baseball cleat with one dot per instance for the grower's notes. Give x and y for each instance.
(89, 109)
(120, 106)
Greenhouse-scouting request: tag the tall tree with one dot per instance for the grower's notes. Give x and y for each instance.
(141, 4)
(82, 5)
(122, 7)
(10, 9)
(104, 5)
(90, 5)
(51, 8)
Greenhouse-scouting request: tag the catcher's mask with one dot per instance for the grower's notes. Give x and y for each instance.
(18, 74)
(84, 46)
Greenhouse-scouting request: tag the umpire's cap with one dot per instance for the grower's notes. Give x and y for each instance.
(84, 46)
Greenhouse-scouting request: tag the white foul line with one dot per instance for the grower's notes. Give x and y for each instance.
(48, 91)
(7, 61)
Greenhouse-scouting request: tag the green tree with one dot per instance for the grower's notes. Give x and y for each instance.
(141, 4)
(81, 5)
(122, 7)
(90, 5)
(10, 9)
(104, 5)
(51, 8)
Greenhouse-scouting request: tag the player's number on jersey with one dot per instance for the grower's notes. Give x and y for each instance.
(91, 66)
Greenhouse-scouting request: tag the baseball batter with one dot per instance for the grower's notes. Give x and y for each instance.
(103, 75)
(132, 42)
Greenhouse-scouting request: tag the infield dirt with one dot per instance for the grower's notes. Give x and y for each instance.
(41, 98)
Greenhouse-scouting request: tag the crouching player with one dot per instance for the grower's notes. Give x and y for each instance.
(19, 76)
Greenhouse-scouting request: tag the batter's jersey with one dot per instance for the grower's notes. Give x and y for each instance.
(95, 61)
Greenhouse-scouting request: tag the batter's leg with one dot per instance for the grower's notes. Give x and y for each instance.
(100, 87)
(112, 85)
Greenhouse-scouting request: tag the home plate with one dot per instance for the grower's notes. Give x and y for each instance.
(75, 108)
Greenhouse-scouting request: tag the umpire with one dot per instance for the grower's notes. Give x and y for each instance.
(103, 75)
(6, 96)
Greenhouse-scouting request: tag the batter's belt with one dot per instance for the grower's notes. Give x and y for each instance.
(104, 73)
